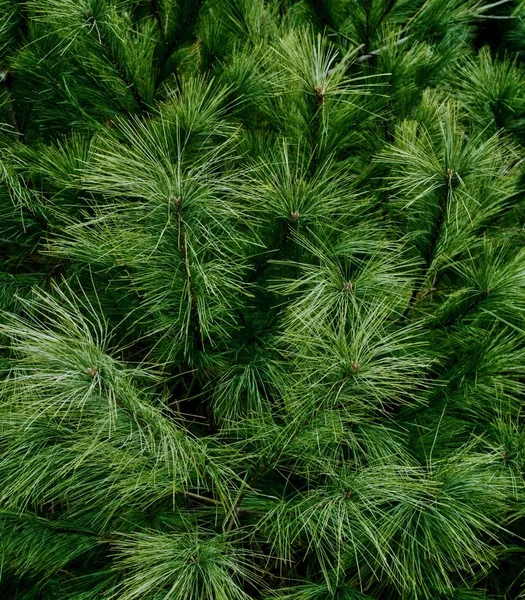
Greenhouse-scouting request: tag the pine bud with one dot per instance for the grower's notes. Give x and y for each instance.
(295, 215)
(92, 372)
(347, 287)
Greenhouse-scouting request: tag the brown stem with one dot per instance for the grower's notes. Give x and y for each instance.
(237, 510)
(203, 499)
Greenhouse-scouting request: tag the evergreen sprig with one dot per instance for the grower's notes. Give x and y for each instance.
(262, 282)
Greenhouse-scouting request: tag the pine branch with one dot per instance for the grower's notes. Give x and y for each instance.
(183, 33)
(177, 203)
(388, 8)
(434, 239)
(469, 309)
(318, 104)
(237, 509)
(111, 56)
(193, 428)
(369, 55)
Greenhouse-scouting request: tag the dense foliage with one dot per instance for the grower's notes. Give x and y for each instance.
(262, 282)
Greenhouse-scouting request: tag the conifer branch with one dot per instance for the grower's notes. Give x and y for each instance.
(110, 55)
(183, 33)
(443, 203)
(318, 104)
(369, 55)
(440, 218)
(183, 249)
(388, 8)
(237, 509)
(169, 429)
(469, 309)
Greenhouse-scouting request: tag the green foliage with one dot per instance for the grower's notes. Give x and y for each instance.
(262, 299)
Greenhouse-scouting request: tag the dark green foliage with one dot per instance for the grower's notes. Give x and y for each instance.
(262, 293)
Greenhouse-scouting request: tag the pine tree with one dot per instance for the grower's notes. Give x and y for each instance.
(262, 293)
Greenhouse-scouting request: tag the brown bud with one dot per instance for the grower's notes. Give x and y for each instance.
(92, 372)
(347, 287)
(355, 367)
(450, 174)
(295, 215)
(175, 201)
(348, 494)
